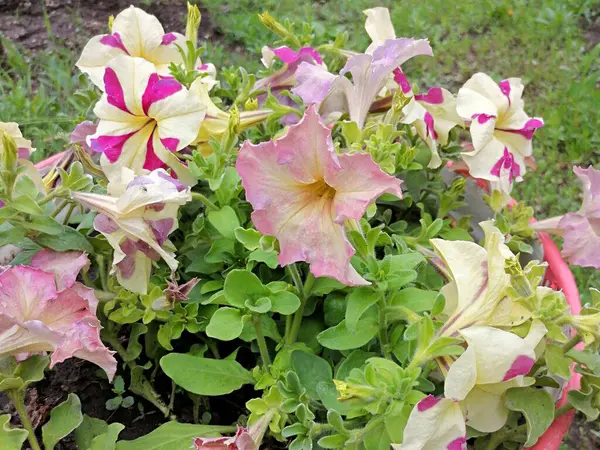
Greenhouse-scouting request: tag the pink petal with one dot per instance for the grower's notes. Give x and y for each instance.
(434, 96)
(111, 146)
(81, 132)
(289, 56)
(24, 291)
(402, 81)
(158, 89)
(114, 90)
(520, 366)
(64, 265)
(114, 40)
(152, 161)
(313, 83)
(581, 245)
(168, 39)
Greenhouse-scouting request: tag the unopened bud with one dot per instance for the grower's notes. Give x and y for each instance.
(234, 120)
(111, 20)
(9, 153)
(269, 21)
(251, 104)
(193, 23)
(518, 280)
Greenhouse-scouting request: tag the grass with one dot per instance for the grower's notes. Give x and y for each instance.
(540, 41)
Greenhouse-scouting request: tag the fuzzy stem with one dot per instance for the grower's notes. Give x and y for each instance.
(576, 339)
(262, 344)
(502, 436)
(59, 208)
(383, 337)
(17, 396)
(304, 293)
(205, 201)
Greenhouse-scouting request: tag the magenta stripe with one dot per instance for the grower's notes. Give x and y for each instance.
(482, 118)
(429, 124)
(289, 56)
(434, 96)
(111, 146)
(114, 90)
(158, 89)
(170, 143)
(427, 403)
(458, 444)
(152, 161)
(168, 38)
(402, 81)
(520, 366)
(528, 129)
(161, 229)
(114, 40)
(505, 88)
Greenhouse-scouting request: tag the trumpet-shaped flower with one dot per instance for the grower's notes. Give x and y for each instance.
(435, 424)
(144, 119)
(369, 75)
(379, 27)
(136, 218)
(23, 145)
(241, 441)
(134, 33)
(580, 230)
(476, 294)
(501, 131)
(44, 309)
(495, 361)
(433, 115)
(302, 192)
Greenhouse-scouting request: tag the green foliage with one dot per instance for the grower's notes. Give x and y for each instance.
(537, 407)
(64, 418)
(11, 438)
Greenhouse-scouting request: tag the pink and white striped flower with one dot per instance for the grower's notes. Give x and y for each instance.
(136, 218)
(144, 119)
(580, 230)
(302, 192)
(43, 309)
(500, 130)
(435, 423)
(494, 361)
(134, 33)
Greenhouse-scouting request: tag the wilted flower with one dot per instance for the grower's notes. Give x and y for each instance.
(144, 119)
(500, 130)
(495, 361)
(134, 33)
(369, 75)
(580, 230)
(241, 441)
(434, 424)
(476, 293)
(302, 192)
(136, 218)
(81, 132)
(42, 308)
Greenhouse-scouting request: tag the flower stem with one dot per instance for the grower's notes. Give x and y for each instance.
(205, 201)
(383, 337)
(59, 208)
(262, 344)
(143, 387)
(69, 213)
(576, 339)
(102, 272)
(17, 396)
(304, 294)
(502, 436)
(563, 410)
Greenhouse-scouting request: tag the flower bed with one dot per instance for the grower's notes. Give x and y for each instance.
(280, 259)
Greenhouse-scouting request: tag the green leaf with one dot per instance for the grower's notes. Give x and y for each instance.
(334, 441)
(86, 432)
(11, 438)
(64, 418)
(11, 236)
(354, 360)
(340, 338)
(107, 440)
(250, 238)
(588, 358)
(225, 324)
(311, 370)
(225, 221)
(204, 376)
(32, 369)
(269, 257)
(537, 407)
(134, 348)
(69, 239)
(45, 224)
(269, 329)
(325, 285)
(172, 436)
(416, 300)
(241, 285)
(407, 261)
(358, 301)
(284, 302)
(26, 205)
(259, 306)
(584, 401)
(557, 362)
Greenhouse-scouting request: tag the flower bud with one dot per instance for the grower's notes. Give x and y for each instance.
(111, 20)
(193, 23)
(269, 21)
(9, 153)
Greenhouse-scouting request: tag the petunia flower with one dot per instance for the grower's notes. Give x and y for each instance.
(23, 145)
(134, 33)
(500, 130)
(369, 73)
(241, 441)
(494, 361)
(435, 423)
(136, 218)
(144, 119)
(475, 294)
(379, 27)
(81, 132)
(44, 310)
(302, 192)
(580, 230)
(433, 115)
